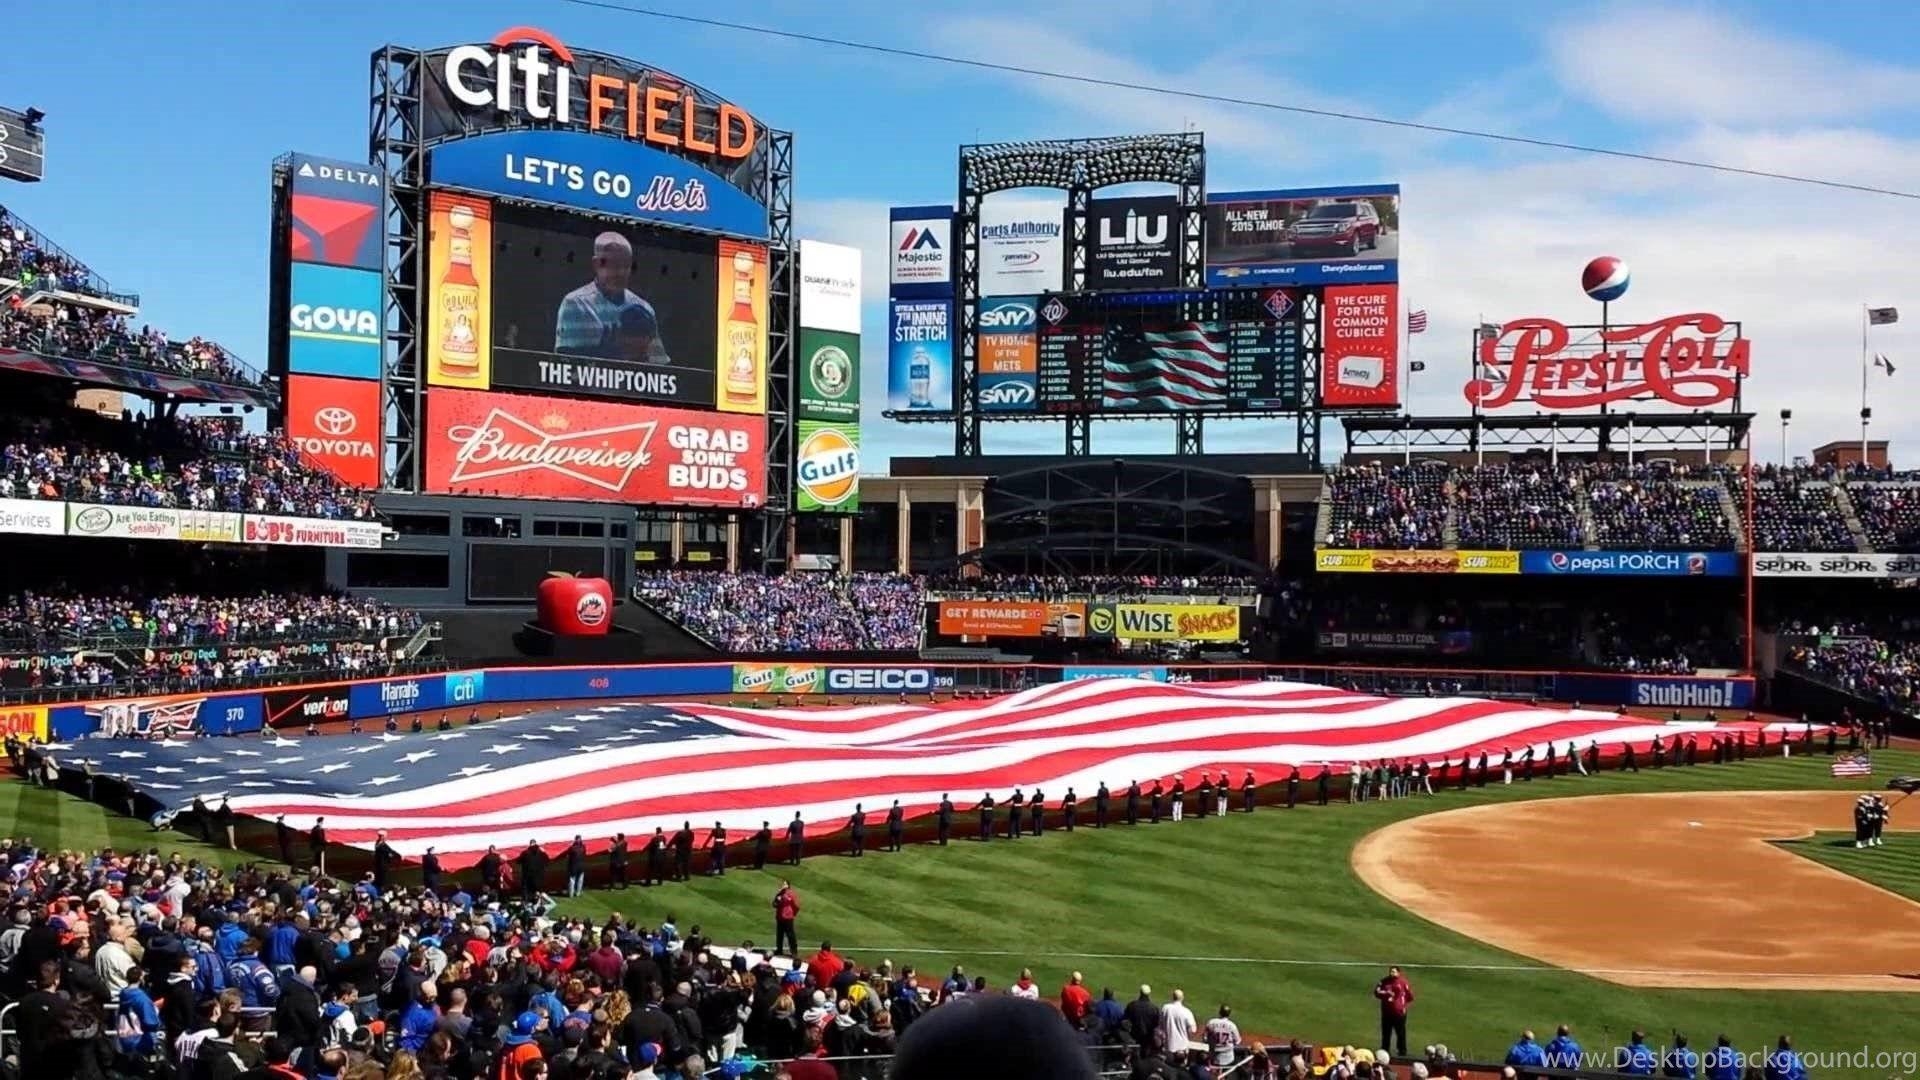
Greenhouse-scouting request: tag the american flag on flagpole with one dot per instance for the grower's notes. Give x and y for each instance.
(628, 767)
(1859, 763)
(1417, 321)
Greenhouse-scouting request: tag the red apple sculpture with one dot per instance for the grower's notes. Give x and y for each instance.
(575, 606)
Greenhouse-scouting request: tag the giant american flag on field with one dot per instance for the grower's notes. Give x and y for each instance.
(628, 767)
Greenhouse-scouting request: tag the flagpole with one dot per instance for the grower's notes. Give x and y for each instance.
(1406, 360)
(1866, 321)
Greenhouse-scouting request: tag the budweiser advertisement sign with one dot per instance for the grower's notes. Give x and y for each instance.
(482, 443)
(1692, 361)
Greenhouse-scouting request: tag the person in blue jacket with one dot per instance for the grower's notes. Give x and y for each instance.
(137, 1019)
(253, 978)
(227, 939)
(1563, 1052)
(1636, 1058)
(1526, 1054)
(1723, 1061)
(421, 1017)
(1784, 1064)
(1681, 1062)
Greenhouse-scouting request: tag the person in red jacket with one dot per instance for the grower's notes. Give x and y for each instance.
(786, 909)
(1075, 1000)
(1395, 995)
(825, 965)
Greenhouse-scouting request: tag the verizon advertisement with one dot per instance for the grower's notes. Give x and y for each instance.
(336, 425)
(1360, 339)
(599, 451)
(1132, 243)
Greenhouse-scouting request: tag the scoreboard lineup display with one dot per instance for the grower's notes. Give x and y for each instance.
(1226, 350)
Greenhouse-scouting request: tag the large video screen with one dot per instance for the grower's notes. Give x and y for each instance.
(1167, 353)
(593, 309)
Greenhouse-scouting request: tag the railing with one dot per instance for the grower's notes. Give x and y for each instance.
(126, 351)
(174, 684)
(95, 284)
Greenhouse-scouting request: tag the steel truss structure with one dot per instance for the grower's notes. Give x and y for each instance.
(398, 141)
(1618, 432)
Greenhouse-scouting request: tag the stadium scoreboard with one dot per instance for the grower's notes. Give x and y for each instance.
(1224, 350)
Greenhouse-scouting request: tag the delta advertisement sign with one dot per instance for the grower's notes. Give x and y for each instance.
(335, 211)
(597, 451)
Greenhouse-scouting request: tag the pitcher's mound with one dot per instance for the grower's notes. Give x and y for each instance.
(1680, 890)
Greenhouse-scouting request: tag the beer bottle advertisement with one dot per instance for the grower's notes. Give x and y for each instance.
(741, 356)
(460, 331)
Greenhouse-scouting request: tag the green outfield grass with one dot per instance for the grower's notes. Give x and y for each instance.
(1894, 865)
(1259, 911)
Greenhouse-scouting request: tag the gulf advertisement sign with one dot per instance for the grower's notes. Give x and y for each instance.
(826, 467)
(594, 451)
(1360, 343)
(336, 425)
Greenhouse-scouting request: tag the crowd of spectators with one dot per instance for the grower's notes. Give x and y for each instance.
(1655, 511)
(1516, 507)
(799, 612)
(40, 620)
(1096, 586)
(37, 265)
(1882, 668)
(1387, 506)
(1889, 513)
(1793, 513)
(198, 463)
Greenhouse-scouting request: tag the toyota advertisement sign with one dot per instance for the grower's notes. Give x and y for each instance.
(558, 448)
(336, 425)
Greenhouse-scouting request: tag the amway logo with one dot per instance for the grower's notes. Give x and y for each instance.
(604, 457)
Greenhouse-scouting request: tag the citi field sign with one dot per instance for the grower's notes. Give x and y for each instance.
(527, 74)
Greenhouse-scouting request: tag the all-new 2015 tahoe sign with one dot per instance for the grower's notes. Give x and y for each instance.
(527, 73)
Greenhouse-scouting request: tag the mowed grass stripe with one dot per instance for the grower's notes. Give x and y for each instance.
(1893, 866)
(1273, 885)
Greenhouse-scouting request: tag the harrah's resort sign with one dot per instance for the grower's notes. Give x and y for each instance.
(528, 74)
(1692, 361)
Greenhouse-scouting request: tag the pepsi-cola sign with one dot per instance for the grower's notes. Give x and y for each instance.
(1694, 361)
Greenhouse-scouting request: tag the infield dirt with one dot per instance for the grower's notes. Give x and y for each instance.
(1657, 890)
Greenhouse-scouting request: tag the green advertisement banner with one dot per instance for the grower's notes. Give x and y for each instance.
(777, 678)
(826, 467)
(829, 376)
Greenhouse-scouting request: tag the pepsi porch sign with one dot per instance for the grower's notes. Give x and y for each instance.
(1631, 563)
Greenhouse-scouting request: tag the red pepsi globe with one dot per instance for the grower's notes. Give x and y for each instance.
(1605, 279)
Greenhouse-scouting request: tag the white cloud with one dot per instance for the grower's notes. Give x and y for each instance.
(1701, 67)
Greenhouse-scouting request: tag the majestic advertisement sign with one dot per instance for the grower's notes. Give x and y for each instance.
(829, 287)
(1360, 339)
(305, 705)
(1304, 236)
(921, 263)
(459, 345)
(1693, 361)
(526, 77)
(826, 467)
(1132, 243)
(336, 425)
(588, 172)
(23, 148)
(1416, 562)
(1009, 348)
(333, 322)
(336, 209)
(1011, 618)
(920, 356)
(1826, 565)
(829, 376)
(152, 523)
(1164, 622)
(741, 342)
(1020, 253)
(1631, 563)
(557, 448)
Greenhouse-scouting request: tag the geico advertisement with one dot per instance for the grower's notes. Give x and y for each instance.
(555, 448)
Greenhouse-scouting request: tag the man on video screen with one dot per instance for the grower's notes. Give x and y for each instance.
(603, 318)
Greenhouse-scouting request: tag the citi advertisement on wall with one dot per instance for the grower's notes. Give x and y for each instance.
(599, 175)
(335, 213)
(1360, 342)
(920, 252)
(826, 466)
(336, 425)
(333, 322)
(598, 451)
(920, 356)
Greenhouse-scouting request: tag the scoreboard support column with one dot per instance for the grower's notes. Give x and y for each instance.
(1079, 434)
(1191, 440)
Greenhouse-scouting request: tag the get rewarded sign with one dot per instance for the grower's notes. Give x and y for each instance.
(1360, 339)
(1693, 361)
(599, 451)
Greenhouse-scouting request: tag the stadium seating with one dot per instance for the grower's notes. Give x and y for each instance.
(195, 463)
(1886, 672)
(37, 264)
(1794, 512)
(1655, 508)
(1094, 586)
(1890, 514)
(753, 613)
(1387, 506)
(1522, 507)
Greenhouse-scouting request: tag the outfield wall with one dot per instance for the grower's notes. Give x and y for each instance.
(294, 707)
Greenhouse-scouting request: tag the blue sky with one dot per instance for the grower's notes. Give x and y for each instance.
(163, 119)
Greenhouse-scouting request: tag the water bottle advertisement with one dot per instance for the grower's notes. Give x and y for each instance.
(920, 356)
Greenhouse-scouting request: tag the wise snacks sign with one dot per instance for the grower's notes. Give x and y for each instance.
(1693, 361)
